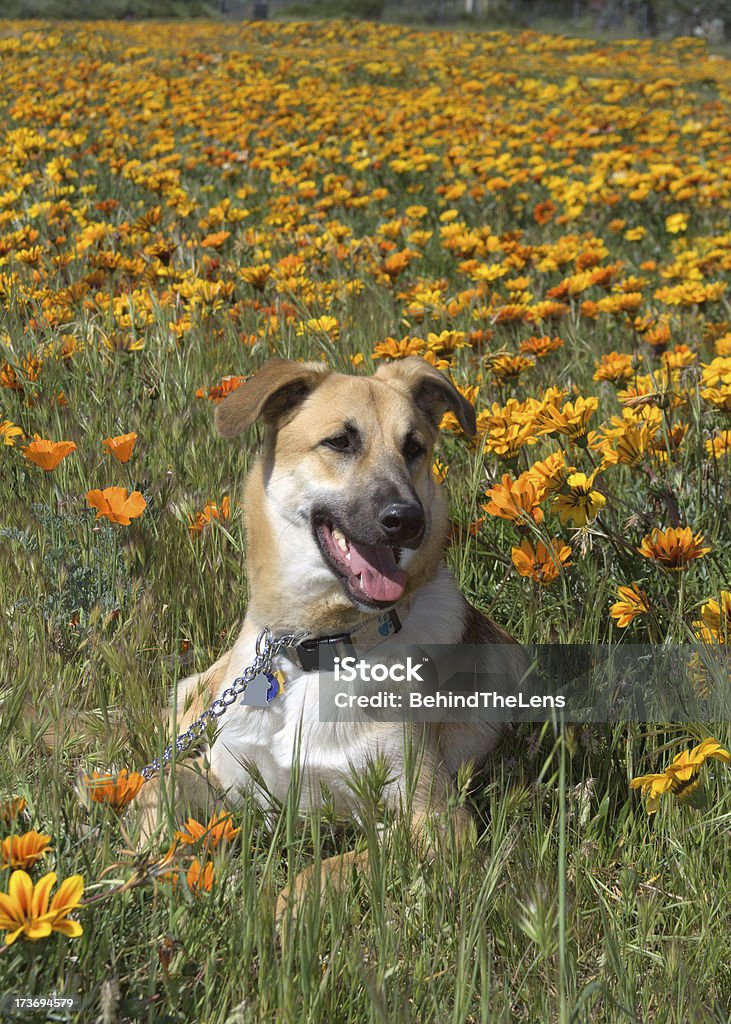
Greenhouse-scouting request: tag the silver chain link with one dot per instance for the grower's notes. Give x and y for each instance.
(267, 648)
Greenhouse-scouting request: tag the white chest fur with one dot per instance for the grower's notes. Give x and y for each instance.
(272, 739)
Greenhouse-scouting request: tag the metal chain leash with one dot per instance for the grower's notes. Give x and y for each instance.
(267, 648)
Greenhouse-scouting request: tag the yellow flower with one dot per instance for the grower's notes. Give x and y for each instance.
(440, 470)
(681, 777)
(688, 763)
(509, 368)
(256, 276)
(544, 563)
(23, 851)
(633, 443)
(653, 788)
(633, 602)
(446, 342)
(674, 548)
(319, 325)
(571, 420)
(393, 349)
(720, 397)
(714, 625)
(676, 222)
(25, 909)
(719, 445)
(578, 501)
(8, 431)
(718, 371)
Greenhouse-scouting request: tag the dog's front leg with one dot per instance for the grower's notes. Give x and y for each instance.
(195, 788)
(195, 791)
(429, 809)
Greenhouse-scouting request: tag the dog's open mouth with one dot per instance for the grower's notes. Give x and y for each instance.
(370, 571)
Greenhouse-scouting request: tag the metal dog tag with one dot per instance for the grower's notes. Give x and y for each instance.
(262, 690)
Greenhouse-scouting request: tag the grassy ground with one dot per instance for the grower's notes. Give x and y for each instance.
(176, 204)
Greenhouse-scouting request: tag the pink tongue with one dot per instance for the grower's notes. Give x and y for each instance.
(381, 578)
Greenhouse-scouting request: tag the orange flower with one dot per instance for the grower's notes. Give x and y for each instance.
(515, 500)
(121, 446)
(211, 511)
(549, 476)
(544, 563)
(615, 367)
(11, 809)
(117, 792)
(200, 879)
(540, 347)
(217, 392)
(116, 504)
(47, 454)
(543, 212)
(674, 548)
(23, 851)
(216, 240)
(219, 829)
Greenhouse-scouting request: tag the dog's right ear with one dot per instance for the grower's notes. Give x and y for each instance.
(271, 394)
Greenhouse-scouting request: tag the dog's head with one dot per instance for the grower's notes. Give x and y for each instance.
(343, 505)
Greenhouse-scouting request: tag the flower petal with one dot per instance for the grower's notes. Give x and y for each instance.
(41, 893)
(68, 895)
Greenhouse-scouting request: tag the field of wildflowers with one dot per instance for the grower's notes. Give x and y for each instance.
(545, 219)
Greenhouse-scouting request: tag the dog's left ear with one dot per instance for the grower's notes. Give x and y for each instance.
(430, 390)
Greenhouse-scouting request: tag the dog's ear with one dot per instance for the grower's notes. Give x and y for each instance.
(270, 394)
(430, 390)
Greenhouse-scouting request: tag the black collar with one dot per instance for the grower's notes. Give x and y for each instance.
(319, 652)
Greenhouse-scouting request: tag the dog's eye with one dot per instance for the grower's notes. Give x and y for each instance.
(339, 443)
(413, 449)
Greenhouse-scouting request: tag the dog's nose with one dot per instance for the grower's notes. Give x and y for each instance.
(402, 521)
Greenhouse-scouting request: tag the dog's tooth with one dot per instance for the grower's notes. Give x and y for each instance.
(339, 538)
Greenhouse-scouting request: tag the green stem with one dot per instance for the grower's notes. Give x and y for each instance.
(562, 980)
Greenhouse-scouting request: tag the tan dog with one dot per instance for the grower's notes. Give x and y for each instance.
(345, 528)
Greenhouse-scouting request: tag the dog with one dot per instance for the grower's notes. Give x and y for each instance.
(346, 527)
